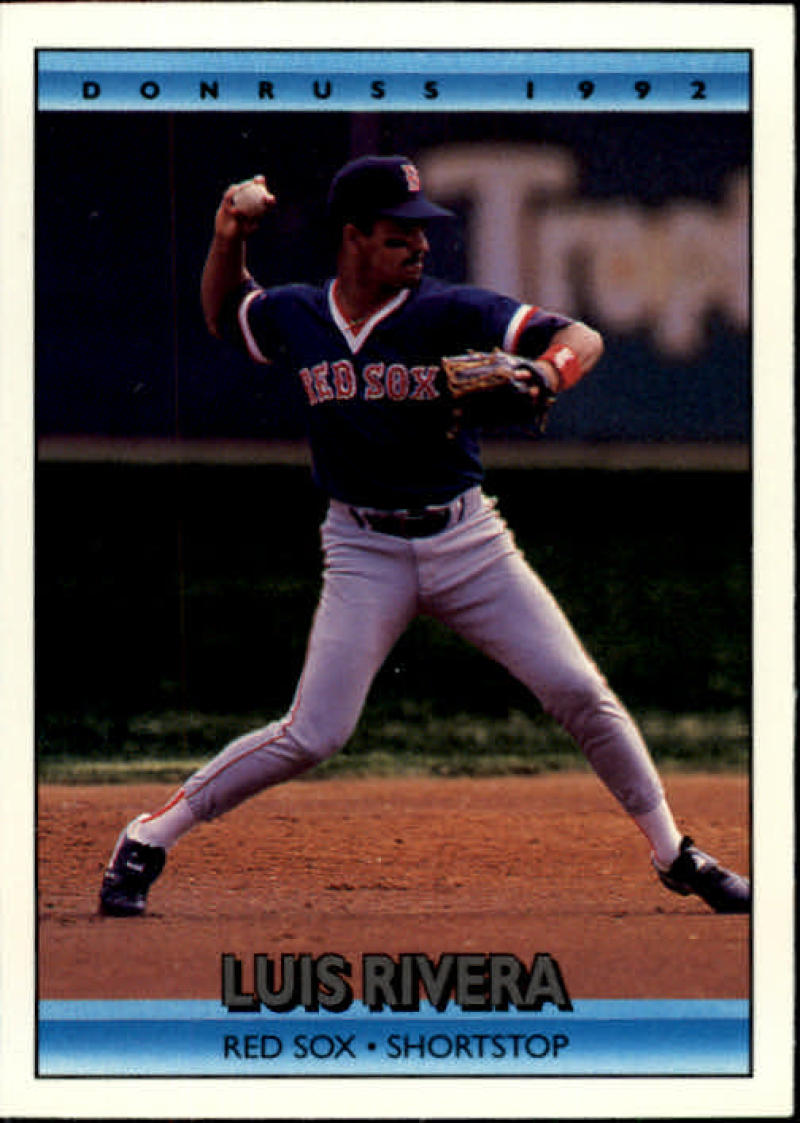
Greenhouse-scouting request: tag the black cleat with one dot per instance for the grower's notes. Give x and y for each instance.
(699, 873)
(132, 869)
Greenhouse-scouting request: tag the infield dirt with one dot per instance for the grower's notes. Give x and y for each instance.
(515, 865)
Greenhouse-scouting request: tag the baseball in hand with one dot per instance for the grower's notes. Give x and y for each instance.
(252, 200)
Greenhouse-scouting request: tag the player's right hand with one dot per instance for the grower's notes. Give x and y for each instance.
(243, 206)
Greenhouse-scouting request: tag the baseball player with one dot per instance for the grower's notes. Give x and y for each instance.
(408, 528)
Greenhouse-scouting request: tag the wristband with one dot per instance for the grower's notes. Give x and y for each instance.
(566, 363)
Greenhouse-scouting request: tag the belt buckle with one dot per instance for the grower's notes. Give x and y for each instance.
(406, 520)
(411, 514)
(431, 521)
(424, 516)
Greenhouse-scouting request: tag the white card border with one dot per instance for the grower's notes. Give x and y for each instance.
(766, 29)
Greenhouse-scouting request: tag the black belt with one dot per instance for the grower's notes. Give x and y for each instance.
(420, 523)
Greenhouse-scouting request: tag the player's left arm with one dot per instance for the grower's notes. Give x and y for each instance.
(564, 349)
(571, 353)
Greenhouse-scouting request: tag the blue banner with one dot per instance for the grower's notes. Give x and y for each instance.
(192, 1038)
(445, 81)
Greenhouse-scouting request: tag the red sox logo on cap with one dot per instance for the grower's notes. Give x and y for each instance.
(389, 186)
(412, 177)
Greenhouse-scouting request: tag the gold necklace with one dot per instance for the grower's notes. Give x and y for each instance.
(358, 321)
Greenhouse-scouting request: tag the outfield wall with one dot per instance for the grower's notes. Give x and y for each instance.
(189, 587)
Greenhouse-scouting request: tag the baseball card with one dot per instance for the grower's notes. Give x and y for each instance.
(397, 539)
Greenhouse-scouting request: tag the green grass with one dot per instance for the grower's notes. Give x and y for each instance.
(408, 739)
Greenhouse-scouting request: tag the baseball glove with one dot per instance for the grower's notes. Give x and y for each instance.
(494, 389)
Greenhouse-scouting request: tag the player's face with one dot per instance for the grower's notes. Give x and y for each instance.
(393, 254)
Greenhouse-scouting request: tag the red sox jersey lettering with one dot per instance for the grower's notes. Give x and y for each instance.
(344, 380)
(340, 382)
(323, 390)
(373, 375)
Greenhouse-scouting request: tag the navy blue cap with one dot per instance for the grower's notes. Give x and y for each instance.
(380, 186)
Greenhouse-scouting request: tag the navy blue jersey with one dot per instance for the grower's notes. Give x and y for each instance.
(378, 417)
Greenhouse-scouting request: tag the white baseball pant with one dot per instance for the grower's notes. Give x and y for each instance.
(472, 577)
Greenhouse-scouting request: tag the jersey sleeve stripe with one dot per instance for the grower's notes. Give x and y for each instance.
(516, 326)
(253, 349)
